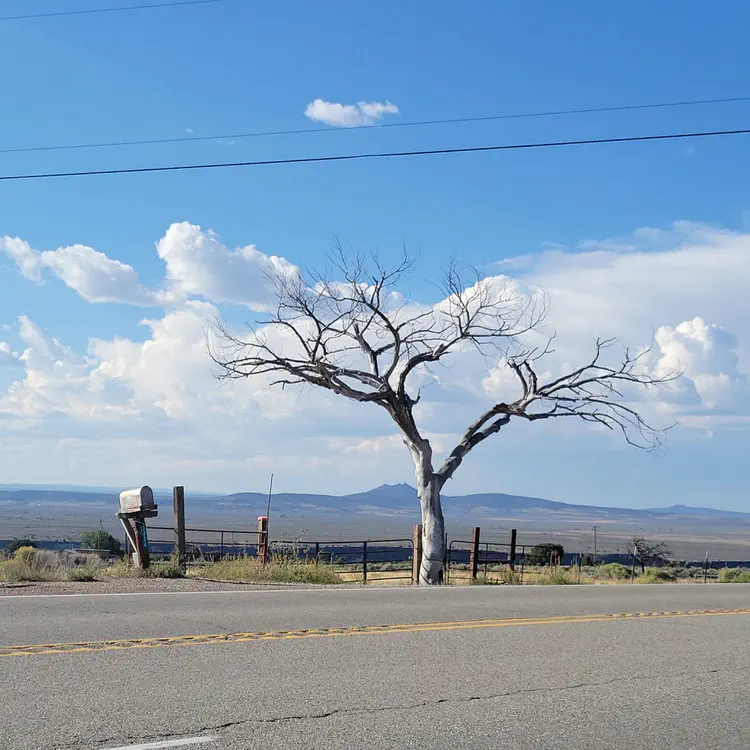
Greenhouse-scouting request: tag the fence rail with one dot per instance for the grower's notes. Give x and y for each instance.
(223, 543)
(355, 556)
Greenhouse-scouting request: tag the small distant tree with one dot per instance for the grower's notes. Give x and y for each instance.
(101, 540)
(647, 552)
(541, 554)
(17, 544)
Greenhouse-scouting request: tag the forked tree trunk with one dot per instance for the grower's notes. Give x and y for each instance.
(431, 571)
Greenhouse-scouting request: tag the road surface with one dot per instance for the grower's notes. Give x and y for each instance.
(475, 667)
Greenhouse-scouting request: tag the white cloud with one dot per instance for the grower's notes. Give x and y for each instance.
(349, 115)
(96, 277)
(23, 255)
(55, 381)
(680, 286)
(90, 273)
(7, 356)
(199, 264)
(705, 355)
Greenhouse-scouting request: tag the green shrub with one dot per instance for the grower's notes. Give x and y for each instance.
(15, 544)
(101, 540)
(25, 555)
(614, 571)
(734, 575)
(30, 564)
(656, 575)
(541, 554)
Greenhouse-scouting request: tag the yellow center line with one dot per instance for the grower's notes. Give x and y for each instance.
(223, 638)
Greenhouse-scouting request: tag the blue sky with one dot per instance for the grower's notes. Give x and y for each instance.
(244, 66)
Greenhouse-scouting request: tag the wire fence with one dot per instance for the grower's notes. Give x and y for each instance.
(364, 559)
(205, 544)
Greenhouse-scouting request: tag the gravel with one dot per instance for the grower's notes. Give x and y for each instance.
(119, 586)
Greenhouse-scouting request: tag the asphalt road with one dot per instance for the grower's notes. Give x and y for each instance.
(564, 677)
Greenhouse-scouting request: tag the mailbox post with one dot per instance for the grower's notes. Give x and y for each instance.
(135, 507)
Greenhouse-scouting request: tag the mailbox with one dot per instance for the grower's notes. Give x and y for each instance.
(138, 500)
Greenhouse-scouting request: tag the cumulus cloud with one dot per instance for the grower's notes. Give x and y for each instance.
(679, 287)
(95, 276)
(705, 355)
(199, 264)
(23, 255)
(349, 115)
(54, 382)
(90, 273)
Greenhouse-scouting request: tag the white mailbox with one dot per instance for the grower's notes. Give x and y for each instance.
(137, 501)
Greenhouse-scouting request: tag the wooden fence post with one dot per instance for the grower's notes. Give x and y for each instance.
(263, 539)
(474, 555)
(513, 549)
(178, 497)
(417, 557)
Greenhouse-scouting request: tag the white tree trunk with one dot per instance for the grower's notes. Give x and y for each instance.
(433, 535)
(431, 571)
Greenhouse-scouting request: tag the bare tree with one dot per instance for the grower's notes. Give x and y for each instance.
(359, 339)
(646, 552)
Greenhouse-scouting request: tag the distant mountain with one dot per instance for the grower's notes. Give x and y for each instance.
(689, 510)
(387, 500)
(84, 489)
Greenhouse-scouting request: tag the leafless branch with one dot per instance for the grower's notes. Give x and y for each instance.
(350, 332)
(593, 393)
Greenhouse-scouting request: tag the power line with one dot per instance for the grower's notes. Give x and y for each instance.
(380, 155)
(410, 124)
(109, 10)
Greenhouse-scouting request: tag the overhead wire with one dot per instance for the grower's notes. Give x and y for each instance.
(88, 11)
(376, 126)
(377, 155)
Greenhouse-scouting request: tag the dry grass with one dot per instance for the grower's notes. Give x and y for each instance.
(30, 564)
(250, 570)
(126, 569)
(377, 577)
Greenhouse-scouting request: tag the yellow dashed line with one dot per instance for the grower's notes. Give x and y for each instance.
(219, 638)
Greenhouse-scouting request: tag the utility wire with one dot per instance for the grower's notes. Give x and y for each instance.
(380, 155)
(109, 10)
(411, 124)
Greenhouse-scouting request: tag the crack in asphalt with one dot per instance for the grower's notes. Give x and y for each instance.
(258, 723)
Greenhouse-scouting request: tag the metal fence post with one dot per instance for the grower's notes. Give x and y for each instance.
(364, 562)
(513, 549)
(474, 555)
(417, 557)
(705, 569)
(444, 574)
(178, 495)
